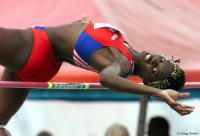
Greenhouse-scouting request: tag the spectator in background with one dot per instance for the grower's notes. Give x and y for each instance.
(117, 130)
(158, 126)
(44, 133)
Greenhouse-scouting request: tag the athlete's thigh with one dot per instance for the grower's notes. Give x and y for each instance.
(11, 98)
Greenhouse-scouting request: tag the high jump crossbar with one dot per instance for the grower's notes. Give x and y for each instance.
(62, 85)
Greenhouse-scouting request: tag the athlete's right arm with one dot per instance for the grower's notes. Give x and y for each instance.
(110, 77)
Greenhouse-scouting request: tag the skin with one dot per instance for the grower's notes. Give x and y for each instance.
(4, 132)
(116, 130)
(111, 64)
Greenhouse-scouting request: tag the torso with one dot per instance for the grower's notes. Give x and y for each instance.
(67, 36)
(63, 39)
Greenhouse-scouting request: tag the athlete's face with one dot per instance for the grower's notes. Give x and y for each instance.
(153, 67)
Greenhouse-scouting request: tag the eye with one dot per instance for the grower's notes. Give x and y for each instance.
(154, 70)
(162, 60)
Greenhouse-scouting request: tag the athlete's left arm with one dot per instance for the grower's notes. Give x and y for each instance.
(111, 77)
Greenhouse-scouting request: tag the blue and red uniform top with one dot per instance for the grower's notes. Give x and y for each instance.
(94, 37)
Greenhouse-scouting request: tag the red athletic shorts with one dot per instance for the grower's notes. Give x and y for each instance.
(42, 65)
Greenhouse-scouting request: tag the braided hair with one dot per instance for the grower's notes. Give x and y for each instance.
(175, 80)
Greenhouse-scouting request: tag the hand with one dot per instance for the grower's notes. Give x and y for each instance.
(170, 97)
(85, 19)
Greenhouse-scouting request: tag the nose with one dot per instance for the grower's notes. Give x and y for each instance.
(154, 61)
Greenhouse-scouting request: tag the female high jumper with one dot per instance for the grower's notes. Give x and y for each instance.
(36, 54)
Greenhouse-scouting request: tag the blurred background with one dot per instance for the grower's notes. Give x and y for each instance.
(167, 27)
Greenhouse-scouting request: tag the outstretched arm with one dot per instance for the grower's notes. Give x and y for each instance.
(111, 77)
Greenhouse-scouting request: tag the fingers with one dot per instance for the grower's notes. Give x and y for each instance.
(85, 19)
(183, 94)
(184, 113)
(187, 106)
(182, 109)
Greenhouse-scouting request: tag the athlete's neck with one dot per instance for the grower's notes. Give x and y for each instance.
(135, 55)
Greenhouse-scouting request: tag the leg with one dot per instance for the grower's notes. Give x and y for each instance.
(10, 98)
